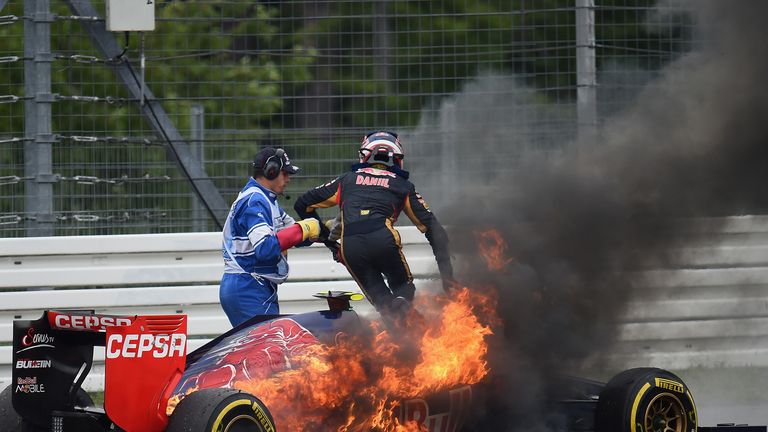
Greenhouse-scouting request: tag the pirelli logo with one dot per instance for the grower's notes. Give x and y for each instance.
(670, 385)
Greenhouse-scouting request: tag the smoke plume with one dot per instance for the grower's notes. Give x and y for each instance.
(694, 143)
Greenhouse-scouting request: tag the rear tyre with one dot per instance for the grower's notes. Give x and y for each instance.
(211, 410)
(83, 399)
(646, 400)
(9, 420)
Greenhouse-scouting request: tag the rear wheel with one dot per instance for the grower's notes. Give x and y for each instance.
(83, 399)
(646, 400)
(9, 420)
(211, 410)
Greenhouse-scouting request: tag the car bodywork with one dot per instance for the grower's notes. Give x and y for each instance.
(145, 364)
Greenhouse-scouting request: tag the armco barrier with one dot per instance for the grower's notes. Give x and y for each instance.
(710, 309)
(156, 274)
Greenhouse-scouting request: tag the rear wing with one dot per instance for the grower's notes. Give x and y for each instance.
(53, 355)
(144, 362)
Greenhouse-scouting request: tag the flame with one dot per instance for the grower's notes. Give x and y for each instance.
(175, 399)
(492, 249)
(358, 383)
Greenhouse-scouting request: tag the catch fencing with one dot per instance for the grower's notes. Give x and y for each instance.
(709, 310)
(94, 143)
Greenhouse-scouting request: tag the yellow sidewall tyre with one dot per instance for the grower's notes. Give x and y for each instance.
(646, 400)
(220, 410)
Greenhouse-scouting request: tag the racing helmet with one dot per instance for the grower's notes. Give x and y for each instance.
(382, 147)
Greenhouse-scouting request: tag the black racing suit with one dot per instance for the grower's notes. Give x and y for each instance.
(370, 200)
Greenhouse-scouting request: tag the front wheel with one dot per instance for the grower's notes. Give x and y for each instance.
(211, 410)
(646, 400)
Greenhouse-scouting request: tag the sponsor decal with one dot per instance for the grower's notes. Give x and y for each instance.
(29, 385)
(286, 158)
(376, 171)
(421, 201)
(418, 411)
(33, 340)
(141, 345)
(263, 419)
(670, 385)
(88, 322)
(372, 181)
(32, 364)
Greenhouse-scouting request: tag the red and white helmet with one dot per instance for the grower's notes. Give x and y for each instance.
(382, 147)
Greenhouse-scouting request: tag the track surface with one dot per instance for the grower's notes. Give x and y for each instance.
(731, 395)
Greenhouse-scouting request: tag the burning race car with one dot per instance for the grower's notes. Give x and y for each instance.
(150, 385)
(315, 371)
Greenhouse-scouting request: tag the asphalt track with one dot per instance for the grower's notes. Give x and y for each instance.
(729, 395)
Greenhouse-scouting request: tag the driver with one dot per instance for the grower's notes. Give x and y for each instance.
(371, 197)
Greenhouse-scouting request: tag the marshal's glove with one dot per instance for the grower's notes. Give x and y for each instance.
(310, 229)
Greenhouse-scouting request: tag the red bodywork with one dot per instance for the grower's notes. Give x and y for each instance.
(255, 354)
(144, 360)
(146, 363)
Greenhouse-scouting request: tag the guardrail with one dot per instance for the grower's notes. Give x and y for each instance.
(710, 307)
(156, 274)
(709, 310)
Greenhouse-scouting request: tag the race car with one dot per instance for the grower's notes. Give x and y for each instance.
(151, 385)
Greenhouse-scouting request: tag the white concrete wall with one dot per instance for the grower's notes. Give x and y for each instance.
(710, 310)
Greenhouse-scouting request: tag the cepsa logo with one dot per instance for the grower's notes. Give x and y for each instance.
(137, 346)
(88, 322)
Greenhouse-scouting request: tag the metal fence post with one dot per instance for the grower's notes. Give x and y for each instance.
(38, 196)
(382, 42)
(586, 70)
(197, 143)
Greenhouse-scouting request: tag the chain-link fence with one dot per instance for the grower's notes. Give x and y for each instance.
(94, 143)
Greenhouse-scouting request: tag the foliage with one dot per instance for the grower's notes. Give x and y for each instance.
(308, 76)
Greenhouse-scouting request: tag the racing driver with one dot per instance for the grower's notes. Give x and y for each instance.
(371, 196)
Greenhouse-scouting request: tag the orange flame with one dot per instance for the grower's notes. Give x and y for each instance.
(492, 248)
(358, 386)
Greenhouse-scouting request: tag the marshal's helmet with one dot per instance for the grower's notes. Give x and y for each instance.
(382, 147)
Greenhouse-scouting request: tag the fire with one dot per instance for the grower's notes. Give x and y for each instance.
(360, 382)
(492, 249)
(174, 400)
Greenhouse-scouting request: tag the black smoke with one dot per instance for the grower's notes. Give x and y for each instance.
(578, 221)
